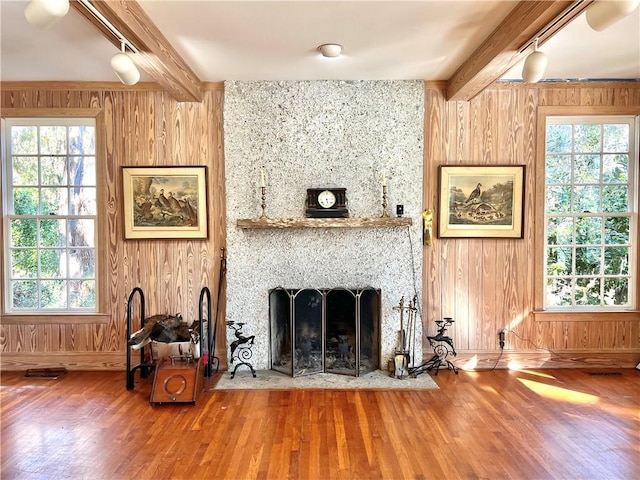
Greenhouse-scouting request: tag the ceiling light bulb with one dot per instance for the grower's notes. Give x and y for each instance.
(125, 69)
(534, 65)
(601, 15)
(330, 50)
(44, 13)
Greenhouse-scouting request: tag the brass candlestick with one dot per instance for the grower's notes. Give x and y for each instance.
(264, 202)
(384, 202)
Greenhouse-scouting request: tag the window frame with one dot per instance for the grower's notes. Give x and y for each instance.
(579, 314)
(102, 313)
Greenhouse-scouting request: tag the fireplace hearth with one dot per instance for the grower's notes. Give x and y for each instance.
(325, 330)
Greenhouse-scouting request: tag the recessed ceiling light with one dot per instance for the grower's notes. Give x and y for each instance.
(330, 50)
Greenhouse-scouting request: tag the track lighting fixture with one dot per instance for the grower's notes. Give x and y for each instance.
(44, 13)
(601, 15)
(535, 65)
(125, 69)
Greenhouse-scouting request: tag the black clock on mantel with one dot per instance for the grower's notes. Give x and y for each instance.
(327, 202)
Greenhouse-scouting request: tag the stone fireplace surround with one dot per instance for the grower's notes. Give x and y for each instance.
(317, 134)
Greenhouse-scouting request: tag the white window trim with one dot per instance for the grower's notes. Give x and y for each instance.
(633, 201)
(579, 314)
(103, 306)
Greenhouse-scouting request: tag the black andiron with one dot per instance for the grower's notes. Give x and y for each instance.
(442, 346)
(241, 348)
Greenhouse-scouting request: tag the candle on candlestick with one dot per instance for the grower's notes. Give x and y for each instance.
(262, 183)
(384, 180)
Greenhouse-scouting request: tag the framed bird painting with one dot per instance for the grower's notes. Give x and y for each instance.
(481, 201)
(165, 202)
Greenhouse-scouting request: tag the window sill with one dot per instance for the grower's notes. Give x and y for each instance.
(573, 316)
(54, 319)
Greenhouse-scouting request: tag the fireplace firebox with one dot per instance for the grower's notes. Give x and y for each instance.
(325, 330)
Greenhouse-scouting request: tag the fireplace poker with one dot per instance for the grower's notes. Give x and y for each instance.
(409, 327)
(415, 319)
(402, 336)
(413, 312)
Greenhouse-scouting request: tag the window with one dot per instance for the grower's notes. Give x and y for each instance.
(50, 215)
(590, 213)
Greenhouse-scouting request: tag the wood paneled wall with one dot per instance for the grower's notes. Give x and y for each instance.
(144, 127)
(484, 284)
(488, 284)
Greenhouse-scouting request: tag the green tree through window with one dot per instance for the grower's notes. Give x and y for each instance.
(590, 212)
(50, 194)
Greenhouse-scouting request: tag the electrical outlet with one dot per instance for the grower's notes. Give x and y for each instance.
(501, 337)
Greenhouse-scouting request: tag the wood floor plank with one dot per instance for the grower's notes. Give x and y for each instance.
(542, 424)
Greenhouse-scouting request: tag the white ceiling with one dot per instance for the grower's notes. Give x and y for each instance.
(267, 40)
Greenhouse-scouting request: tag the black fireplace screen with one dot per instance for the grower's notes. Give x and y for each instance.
(331, 330)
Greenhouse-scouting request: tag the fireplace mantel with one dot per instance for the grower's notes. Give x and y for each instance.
(379, 222)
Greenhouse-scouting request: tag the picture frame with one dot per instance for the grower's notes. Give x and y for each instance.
(165, 202)
(481, 201)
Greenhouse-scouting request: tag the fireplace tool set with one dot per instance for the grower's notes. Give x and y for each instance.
(441, 343)
(407, 338)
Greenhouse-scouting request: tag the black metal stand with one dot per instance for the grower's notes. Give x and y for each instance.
(145, 367)
(210, 345)
(442, 346)
(241, 348)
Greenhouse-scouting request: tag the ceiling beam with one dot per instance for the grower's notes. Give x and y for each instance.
(504, 47)
(156, 55)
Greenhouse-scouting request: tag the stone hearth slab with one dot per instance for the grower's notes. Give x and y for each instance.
(272, 380)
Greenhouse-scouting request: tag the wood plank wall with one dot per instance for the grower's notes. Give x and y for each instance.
(485, 285)
(144, 127)
(488, 284)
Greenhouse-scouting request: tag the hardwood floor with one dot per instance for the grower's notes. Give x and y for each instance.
(545, 424)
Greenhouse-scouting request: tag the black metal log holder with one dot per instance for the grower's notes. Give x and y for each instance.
(145, 366)
(241, 348)
(210, 335)
(442, 346)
